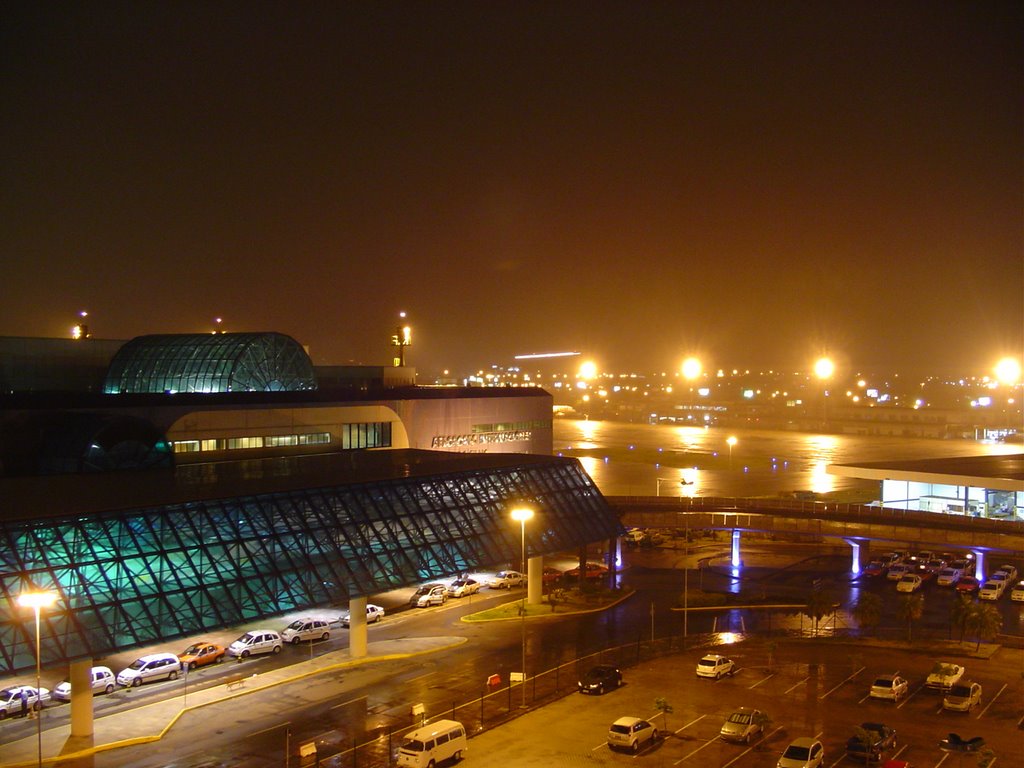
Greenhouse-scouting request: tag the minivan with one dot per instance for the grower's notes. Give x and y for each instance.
(155, 666)
(101, 678)
(433, 744)
(255, 642)
(306, 629)
(429, 594)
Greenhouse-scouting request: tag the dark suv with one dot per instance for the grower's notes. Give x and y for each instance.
(871, 742)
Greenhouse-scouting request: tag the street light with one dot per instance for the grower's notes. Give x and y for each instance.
(731, 440)
(522, 514)
(36, 601)
(823, 369)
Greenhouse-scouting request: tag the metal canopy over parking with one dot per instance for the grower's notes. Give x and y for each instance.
(215, 545)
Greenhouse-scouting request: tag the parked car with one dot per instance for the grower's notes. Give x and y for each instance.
(1009, 570)
(594, 571)
(149, 669)
(910, 582)
(101, 680)
(948, 577)
(968, 584)
(715, 665)
(506, 580)
(744, 725)
(430, 594)
(15, 697)
(944, 675)
(992, 590)
(374, 613)
(631, 733)
(935, 565)
(463, 587)
(874, 568)
(897, 571)
(964, 565)
(889, 687)
(804, 752)
(307, 629)
(871, 742)
(1017, 593)
(200, 654)
(551, 575)
(962, 697)
(599, 679)
(255, 642)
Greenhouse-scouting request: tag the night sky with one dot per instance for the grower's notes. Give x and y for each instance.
(752, 182)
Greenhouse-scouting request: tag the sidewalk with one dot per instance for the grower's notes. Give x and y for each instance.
(150, 722)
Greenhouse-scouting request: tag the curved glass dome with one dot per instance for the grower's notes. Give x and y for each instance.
(210, 362)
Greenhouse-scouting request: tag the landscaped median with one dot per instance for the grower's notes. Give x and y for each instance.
(559, 602)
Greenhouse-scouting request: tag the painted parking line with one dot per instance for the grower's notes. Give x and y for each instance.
(841, 684)
(712, 740)
(692, 722)
(749, 749)
(900, 705)
(944, 757)
(764, 680)
(797, 685)
(985, 708)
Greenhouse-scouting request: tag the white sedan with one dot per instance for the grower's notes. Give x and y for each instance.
(19, 698)
(374, 613)
(463, 587)
(506, 580)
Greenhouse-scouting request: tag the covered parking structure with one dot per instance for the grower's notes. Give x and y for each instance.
(138, 558)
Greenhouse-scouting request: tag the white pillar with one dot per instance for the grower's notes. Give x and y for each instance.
(534, 580)
(855, 555)
(736, 561)
(81, 697)
(357, 627)
(979, 568)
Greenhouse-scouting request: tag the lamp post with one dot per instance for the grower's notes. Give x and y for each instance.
(731, 440)
(823, 369)
(522, 514)
(36, 601)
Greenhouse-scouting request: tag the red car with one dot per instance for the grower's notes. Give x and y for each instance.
(874, 568)
(594, 571)
(967, 584)
(551, 575)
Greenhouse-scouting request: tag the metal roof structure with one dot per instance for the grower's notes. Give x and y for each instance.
(137, 558)
(1004, 473)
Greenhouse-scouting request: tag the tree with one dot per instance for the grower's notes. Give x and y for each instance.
(985, 622)
(911, 608)
(867, 611)
(819, 604)
(960, 612)
(665, 708)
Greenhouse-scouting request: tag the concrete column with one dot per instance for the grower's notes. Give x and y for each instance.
(855, 555)
(979, 568)
(736, 561)
(357, 627)
(534, 580)
(81, 697)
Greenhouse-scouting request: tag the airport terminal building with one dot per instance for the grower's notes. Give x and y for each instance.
(174, 484)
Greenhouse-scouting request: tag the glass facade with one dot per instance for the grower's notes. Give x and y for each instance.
(213, 362)
(137, 576)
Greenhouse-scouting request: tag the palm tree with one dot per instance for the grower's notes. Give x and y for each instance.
(819, 604)
(910, 610)
(985, 621)
(867, 611)
(960, 612)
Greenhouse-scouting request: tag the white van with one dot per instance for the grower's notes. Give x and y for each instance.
(155, 666)
(433, 744)
(306, 629)
(254, 642)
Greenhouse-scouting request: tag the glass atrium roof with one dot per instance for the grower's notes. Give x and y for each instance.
(275, 541)
(210, 362)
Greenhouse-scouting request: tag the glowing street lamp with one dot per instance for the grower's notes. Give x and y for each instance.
(1007, 370)
(731, 440)
(691, 368)
(823, 369)
(522, 514)
(36, 601)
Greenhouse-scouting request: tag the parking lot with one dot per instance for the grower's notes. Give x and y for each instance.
(813, 689)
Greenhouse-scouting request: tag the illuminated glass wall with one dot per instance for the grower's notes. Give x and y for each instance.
(139, 576)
